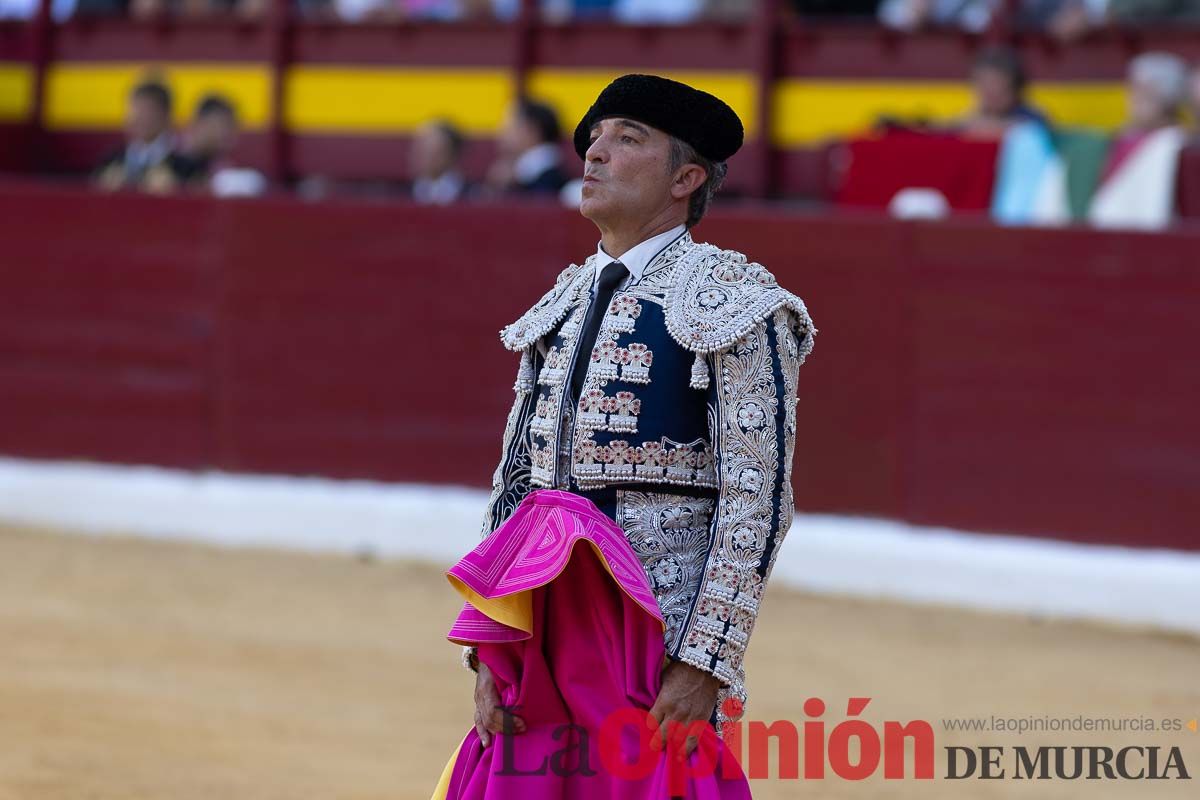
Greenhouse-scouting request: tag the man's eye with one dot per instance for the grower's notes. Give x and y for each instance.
(628, 139)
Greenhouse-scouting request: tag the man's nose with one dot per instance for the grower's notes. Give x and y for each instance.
(597, 151)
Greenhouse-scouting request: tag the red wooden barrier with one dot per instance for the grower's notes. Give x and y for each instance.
(1041, 382)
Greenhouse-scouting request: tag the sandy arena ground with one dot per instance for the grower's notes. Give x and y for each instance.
(133, 669)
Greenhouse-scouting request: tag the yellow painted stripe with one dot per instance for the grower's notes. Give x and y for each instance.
(82, 95)
(571, 91)
(382, 100)
(16, 92)
(806, 112)
(1093, 105)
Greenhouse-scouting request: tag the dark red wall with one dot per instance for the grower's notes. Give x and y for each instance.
(1030, 381)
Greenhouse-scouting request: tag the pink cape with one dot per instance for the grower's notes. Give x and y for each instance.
(574, 639)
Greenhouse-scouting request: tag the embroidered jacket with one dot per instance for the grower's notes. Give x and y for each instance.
(684, 431)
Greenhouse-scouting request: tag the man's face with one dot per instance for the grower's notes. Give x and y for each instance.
(517, 134)
(214, 133)
(625, 174)
(994, 92)
(431, 153)
(145, 119)
(1147, 110)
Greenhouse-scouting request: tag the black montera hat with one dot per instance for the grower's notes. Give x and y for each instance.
(705, 122)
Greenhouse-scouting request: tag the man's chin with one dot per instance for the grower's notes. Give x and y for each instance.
(591, 208)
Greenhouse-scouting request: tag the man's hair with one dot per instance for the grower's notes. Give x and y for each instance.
(1004, 60)
(1166, 72)
(542, 117)
(214, 104)
(683, 153)
(156, 93)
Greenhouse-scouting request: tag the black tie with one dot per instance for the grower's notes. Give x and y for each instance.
(613, 273)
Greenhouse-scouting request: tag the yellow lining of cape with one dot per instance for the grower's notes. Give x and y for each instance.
(443, 785)
(516, 610)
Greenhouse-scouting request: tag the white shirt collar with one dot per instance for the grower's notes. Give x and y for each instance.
(536, 160)
(143, 155)
(442, 190)
(638, 257)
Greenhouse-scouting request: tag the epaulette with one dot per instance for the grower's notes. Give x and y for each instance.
(570, 285)
(718, 297)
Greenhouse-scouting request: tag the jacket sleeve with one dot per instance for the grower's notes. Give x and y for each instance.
(752, 417)
(510, 480)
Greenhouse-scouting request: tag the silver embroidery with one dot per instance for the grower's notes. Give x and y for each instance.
(623, 310)
(548, 411)
(669, 534)
(712, 297)
(664, 461)
(573, 284)
(716, 298)
(602, 361)
(600, 412)
(596, 409)
(660, 273)
(748, 402)
(554, 370)
(635, 362)
(564, 448)
(509, 488)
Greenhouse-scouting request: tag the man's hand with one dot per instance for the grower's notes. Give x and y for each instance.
(688, 695)
(489, 716)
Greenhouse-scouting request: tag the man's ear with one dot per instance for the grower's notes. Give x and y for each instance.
(689, 178)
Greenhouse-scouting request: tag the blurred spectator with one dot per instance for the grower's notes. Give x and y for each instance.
(657, 12)
(634, 12)
(836, 8)
(434, 161)
(1194, 95)
(729, 10)
(530, 157)
(1137, 184)
(1135, 11)
(192, 9)
(1069, 19)
(27, 9)
(912, 15)
(397, 10)
(998, 80)
(559, 11)
(1033, 177)
(1157, 86)
(1065, 19)
(209, 140)
(149, 160)
(97, 8)
(207, 152)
